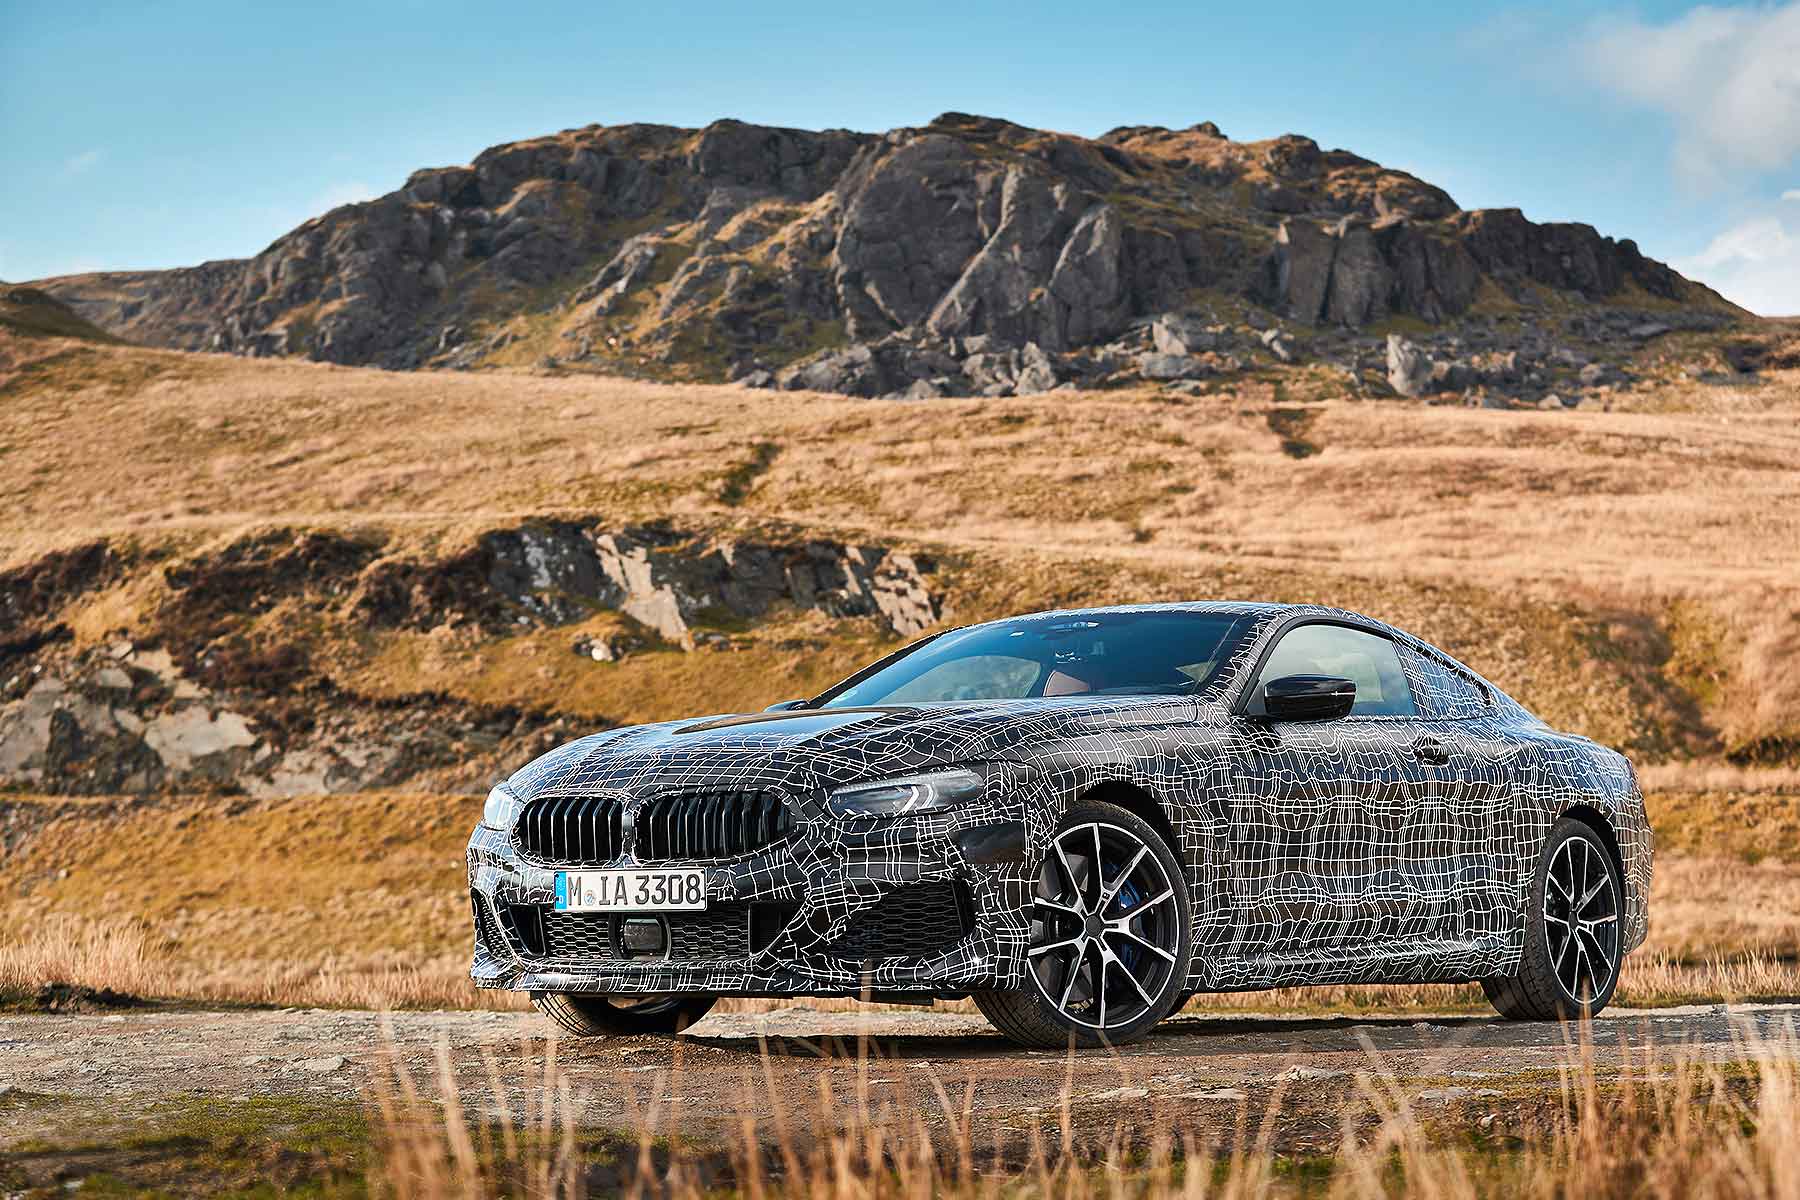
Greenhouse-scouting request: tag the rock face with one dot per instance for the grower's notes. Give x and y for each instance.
(202, 697)
(858, 263)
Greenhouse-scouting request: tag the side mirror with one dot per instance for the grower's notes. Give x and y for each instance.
(786, 706)
(1308, 698)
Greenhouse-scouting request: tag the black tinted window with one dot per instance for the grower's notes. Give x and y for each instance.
(1368, 661)
(1149, 653)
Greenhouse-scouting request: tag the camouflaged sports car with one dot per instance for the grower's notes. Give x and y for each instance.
(1078, 819)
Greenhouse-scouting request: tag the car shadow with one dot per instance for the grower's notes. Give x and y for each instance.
(1198, 1033)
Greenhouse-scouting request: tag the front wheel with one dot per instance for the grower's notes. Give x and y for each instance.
(1573, 945)
(586, 1015)
(1111, 936)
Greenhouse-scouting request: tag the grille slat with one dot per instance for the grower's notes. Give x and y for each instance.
(710, 825)
(578, 830)
(590, 830)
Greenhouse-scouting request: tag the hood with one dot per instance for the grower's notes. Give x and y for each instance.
(807, 751)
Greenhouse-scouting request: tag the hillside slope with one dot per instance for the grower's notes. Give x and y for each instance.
(967, 256)
(280, 577)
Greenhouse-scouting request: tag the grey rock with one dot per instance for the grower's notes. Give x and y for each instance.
(1277, 344)
(1409, 368)
(1303, 257)
(1087, 299)
(1453, 376)
(852, 371)
(1171, 366)
(624, 271)
(1175, 333)
(1361, 279)
(1037, 371)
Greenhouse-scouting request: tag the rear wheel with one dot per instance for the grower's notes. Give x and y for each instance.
(1572, 936)
(1111, 934)
(587, 1015)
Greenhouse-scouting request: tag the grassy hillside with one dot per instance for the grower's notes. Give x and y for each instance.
(1631, 573)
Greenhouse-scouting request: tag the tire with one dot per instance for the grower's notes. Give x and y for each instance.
(1565, 974)
(586, 1015)
(1131, 917)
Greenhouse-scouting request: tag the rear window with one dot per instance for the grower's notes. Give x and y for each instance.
(1445, 694)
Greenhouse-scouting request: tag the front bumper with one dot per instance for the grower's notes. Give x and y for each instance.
(931, 906)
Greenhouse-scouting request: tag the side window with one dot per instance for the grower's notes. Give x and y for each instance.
(1445, 694)
(1369, 661)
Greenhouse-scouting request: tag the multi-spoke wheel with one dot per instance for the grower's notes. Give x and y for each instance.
(1572, 947)
(594, 1016)
(1110, 934)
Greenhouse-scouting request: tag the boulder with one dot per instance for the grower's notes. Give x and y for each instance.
(852, 371)
(1409, 369)
(1170, 366)
(1177, 333)
(1278, 344)
(1037, 371)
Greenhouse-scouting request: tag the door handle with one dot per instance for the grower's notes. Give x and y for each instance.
(1431, 750)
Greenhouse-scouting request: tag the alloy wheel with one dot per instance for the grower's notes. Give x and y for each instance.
(1581, 921)
(1105, 930)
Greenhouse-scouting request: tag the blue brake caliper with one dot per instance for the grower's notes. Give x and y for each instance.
(1130, 951)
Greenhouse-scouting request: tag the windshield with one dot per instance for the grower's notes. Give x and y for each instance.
(1100, 654)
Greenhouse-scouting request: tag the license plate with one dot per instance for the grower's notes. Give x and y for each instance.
(631, 891)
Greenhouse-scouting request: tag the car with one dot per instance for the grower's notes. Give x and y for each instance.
(1078, 819)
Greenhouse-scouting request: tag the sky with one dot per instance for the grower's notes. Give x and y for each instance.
(138, 135)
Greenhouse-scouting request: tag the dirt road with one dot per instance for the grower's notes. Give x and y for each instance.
(1197, 1072)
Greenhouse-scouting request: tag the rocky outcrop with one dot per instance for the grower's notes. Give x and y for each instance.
(218, 688)
(859, 263)
(127, 719)
(672, 583)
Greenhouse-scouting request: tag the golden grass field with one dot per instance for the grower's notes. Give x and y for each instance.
(1631, 574)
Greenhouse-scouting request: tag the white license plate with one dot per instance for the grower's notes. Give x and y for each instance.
(631, 891)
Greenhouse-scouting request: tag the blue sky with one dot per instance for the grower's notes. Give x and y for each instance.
(137, 135)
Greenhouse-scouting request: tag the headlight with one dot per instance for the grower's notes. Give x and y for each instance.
(907, 794)
(501, 810)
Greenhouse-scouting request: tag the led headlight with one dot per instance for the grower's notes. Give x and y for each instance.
(501, 810)
(907, 794)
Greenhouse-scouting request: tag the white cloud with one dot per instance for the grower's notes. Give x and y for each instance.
(1728, 79)
(1755, 263)
(1791, 194)
(78, 164)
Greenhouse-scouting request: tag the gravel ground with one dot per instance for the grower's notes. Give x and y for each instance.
(1201, 1072)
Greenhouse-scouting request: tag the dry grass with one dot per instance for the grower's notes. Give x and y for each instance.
(1671, 1124)
(1713, 777)
(358, 901)
(118, 956)
(1617, 570)
(139, 440)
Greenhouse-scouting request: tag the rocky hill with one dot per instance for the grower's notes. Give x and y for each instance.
(968, 256)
